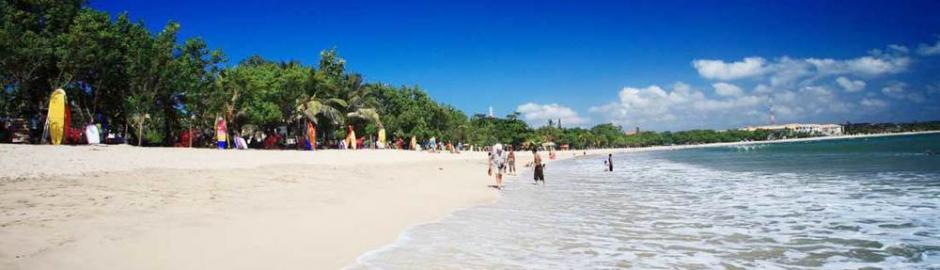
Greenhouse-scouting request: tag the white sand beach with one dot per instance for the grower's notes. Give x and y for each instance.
(122, 207)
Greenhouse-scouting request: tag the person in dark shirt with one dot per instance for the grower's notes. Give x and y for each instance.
(610, 162)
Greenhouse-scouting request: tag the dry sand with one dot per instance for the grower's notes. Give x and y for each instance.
(122, 207)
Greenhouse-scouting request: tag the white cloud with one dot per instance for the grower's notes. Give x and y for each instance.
(728, 104)
(898, 90)
(895, 90)
(721, 70)
(645, 105)
(862, 66)
(539, 114)
(874, 103)
(876, 66)
(794, 89)
(655, 107)
(898, 48)
(727, 89)
(788, 71)
(850, 85)
(929, 50)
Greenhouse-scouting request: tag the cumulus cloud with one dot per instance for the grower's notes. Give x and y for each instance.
(874, 103)
(684, 107)
(727, 89)
(898, 48)
(656, 107)
(869, 65)
(539, 114)
(721, 70)
(929, 50)
(895, 90)
(812, 89)
(850, 85)
(786, 70)
(898, 90)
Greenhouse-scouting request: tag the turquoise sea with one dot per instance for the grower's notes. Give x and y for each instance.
(835, 204)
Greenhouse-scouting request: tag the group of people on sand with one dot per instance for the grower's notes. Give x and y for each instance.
(278, 139)
(502, 161)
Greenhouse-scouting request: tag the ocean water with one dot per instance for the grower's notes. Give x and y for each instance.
(828, 204)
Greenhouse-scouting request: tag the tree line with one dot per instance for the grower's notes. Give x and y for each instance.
(874, 128)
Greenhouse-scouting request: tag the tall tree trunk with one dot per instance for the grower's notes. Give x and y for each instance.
(167, 121)
(140, 133)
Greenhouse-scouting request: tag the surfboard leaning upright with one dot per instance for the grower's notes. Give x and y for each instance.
(56, 116)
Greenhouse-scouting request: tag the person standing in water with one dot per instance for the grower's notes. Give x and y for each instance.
(539, 174)
(610, 162)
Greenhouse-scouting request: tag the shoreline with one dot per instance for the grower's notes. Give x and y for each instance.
(810, 139)
(596, 152)
(157, 208)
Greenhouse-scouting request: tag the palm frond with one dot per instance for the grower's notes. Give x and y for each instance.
(367, 114)
(337, 102)
(313, 108)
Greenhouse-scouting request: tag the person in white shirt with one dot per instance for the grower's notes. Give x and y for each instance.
(499, 162)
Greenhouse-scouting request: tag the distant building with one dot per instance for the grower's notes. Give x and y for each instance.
(819, 129)
(632, 132)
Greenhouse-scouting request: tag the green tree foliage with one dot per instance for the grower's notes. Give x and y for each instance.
(873, 128)
(30, 32)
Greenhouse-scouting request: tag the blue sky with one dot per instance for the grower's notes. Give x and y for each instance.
(662, 65)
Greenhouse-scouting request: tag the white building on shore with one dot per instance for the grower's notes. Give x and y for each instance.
(820, 129)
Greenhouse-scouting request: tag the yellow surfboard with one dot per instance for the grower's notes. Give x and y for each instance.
(382, 136)
(56, 116)
(352, 140)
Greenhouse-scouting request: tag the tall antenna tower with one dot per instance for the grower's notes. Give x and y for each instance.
(770, 101)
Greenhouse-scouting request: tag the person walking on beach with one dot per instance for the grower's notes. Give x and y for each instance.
(511, 159)
(499, 159)
(539, 173)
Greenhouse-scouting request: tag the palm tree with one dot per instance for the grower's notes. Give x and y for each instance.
(315, 108)
(328, 108)
(360, 100)
(338, 96)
